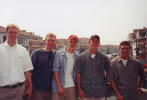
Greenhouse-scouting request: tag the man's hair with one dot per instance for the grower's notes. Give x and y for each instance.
(94, 36)
(12, 26)
(50, 34)
(125, 43)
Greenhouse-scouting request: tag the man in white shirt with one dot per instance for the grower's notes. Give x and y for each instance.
(15, 66)
(64, 76)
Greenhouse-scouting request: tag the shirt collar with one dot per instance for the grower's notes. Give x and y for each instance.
(8, 46)
(64, 52)
(96, 54)
(120, 59)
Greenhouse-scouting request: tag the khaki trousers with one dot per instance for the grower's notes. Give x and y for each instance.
(69, 94)
(12, 93)
(103, 98)
(39, 95)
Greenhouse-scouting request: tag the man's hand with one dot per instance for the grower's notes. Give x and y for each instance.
(28, 85)
(119, 97)
(81, 93)
(28, 93)
(60, 91)
(139, 90)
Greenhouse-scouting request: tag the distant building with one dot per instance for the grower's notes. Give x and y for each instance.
(2, 34)
(27, 39)
(61, 43)
(138, 41)
(34, 44)
(83, 46)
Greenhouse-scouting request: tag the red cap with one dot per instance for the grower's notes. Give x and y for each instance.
(74, 37)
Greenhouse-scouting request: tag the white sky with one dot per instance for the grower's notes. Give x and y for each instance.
(112, 20)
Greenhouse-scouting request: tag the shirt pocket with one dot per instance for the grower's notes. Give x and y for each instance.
(19, 60)
(100, 67)
(99, 72)
(133, 74)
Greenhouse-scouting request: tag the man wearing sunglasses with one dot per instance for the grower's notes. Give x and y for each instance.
(64, 76)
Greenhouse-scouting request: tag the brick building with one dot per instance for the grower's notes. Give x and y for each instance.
(138, 40)
(27, 39)
(2, 34)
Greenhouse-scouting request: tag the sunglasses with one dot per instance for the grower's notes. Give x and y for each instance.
(73, 41)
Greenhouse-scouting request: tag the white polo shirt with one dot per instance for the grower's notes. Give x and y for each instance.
(14, 61)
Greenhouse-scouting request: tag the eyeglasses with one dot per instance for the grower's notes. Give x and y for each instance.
(73, 41)
(51, 40)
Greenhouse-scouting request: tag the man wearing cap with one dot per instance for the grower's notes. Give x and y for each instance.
(64, 77)
(90, 68)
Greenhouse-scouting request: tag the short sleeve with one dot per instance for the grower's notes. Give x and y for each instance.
(34, 58)
(110, 75)
(107, 65)
(56, 64)
(27, 61)
(78, 65)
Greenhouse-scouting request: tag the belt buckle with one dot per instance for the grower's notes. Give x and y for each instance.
(15, 85)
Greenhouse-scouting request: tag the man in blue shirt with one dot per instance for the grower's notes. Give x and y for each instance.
(63, 82)
(42, 60)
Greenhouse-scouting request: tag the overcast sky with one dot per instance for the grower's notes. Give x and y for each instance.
(112, 20)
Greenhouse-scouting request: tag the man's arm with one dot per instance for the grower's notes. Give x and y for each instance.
(28, 84)
(140, 76)
(27, 68)
(78, 70)
(118, 95)
(60, 88)
(107, 65)
(80, 91)
(139, 82)
(56, 67)
(34, 60)
(111, 78)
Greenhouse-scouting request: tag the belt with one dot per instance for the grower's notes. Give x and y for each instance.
(13, 86)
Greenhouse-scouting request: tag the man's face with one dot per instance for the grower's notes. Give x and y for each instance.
(124, 51)
(12, 34)
(94, 44)
(50, 42)
(72, 43)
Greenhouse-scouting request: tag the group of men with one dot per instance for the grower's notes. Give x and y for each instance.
(66, 74)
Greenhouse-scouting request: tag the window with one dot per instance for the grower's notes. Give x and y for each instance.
(4, 38)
